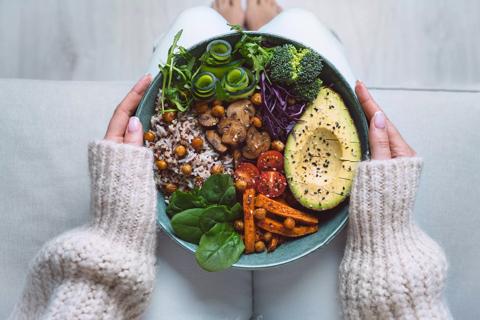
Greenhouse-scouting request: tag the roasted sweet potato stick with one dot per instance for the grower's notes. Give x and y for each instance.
(273, 244)
(277, 227)
(248, 221)
(284, 210)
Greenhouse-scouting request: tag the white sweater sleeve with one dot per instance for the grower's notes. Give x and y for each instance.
(391, 269)
(104, 270)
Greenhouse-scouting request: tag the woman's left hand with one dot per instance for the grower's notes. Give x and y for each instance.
(385, 140)
(123, 127)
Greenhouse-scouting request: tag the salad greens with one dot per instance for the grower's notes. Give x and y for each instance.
(185, 78)
(177, 75)
(204, 217)
(219, 248)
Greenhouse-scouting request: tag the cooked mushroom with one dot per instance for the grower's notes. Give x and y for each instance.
(207, 119)
(237, 155)
(215, 140)
(256, 143)
(233, 131)
(241, 110)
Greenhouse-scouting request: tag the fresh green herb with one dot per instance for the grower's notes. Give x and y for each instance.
(251, 48)
(177, 75)
(219, 248)
(186, 225)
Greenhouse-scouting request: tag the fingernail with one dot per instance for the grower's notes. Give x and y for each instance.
(133, 124)
(358, 82)
(379, 120)
(145, 77)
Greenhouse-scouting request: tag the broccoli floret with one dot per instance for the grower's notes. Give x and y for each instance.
(290, 65)
(281, 67)
(307, 92)
(310, 66)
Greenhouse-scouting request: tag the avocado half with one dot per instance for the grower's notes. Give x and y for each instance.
(322, 153)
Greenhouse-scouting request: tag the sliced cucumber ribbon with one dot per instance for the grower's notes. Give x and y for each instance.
(238, 83)
(203, 85)
(219, 51)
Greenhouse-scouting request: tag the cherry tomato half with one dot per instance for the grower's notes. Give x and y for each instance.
(248, 173)
(270, 160)
(272, 184)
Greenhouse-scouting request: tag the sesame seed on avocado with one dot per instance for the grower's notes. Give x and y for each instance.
(322, 152)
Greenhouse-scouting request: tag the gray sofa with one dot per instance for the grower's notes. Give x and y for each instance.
(45, 127)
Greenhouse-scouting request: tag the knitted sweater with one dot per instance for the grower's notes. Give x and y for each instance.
(105, 270)
(390, 269)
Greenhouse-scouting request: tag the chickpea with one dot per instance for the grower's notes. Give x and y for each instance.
(238, 225)
(149, 136)
(186, 169)
(168, 117)
(260, 213)
(241, 185)
(216, 103)
(278, 145)
(197, 143)
(216, 169)
(256, 99)
(161, 164)
(267, 236)
(180, 151)
(256, 122)
(201, 108)
(259, 246)
(289, 223)
(170, 188)
(218, 111)
(257, 237)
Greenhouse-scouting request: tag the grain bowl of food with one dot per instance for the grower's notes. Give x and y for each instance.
(256, 139)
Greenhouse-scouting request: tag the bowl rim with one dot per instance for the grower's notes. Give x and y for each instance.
(365, 155)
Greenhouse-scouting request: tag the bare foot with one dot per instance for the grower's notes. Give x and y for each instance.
(231, 10)
(260, 12)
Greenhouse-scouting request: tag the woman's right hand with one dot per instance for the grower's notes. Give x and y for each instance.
(385, 140)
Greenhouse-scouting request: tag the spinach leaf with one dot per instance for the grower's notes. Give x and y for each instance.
(186, 224)
(219, 248)
(212, 215)
(215, 187)
(229, 197)
(235, 212)
(180, 201)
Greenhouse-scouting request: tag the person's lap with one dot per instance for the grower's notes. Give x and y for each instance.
(227, 294)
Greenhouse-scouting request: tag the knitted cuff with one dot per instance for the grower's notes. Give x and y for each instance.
(123, 193)
(383, 194)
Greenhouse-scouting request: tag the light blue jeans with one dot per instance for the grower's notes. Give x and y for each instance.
(303, 290)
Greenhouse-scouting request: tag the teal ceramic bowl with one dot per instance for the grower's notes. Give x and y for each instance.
(331, 221)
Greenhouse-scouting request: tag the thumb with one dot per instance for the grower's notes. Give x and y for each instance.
(378, 137)
(134, 133)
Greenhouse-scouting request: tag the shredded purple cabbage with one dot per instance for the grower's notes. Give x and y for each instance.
(277, 115)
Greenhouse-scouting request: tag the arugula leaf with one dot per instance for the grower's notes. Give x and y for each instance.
(217, 188)
(186, 225)
(219, 248)
(177, 74)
